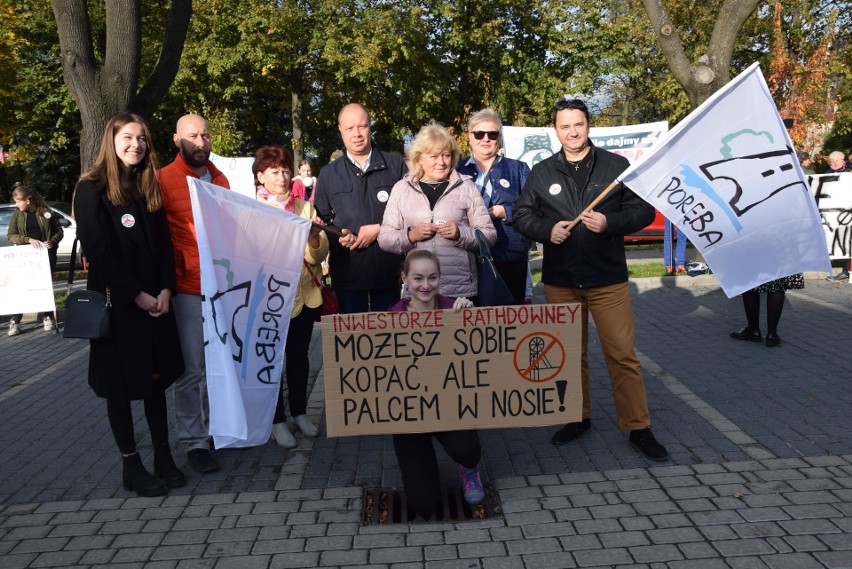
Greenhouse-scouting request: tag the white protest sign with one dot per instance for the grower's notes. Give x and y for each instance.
(534, 144)
(833, 195)
(251, 260)
(26, 284)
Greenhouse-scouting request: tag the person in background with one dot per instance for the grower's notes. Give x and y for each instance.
(836, 163)
(304, 183)
(33, 223)
(806, 162)
(351, 195)
(192, 138)
(418, 465)
(122, 226)
(675, 264)
(272, 172)
(434, 207)
(499, 181)
(775, 295)
(587, 265)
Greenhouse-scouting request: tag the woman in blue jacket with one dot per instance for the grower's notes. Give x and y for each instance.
(499, 180)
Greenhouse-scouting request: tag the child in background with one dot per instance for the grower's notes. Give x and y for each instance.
(418, 464)
(34, 224)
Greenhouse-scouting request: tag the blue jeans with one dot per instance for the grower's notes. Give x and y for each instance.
(680, 250)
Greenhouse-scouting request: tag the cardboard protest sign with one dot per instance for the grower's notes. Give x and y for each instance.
(412, 372)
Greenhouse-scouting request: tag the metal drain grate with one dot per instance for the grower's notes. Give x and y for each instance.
(386, 506)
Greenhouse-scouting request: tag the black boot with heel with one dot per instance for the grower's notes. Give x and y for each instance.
(165, 468)
(136, 478)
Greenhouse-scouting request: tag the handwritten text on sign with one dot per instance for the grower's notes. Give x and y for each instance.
(408, 372)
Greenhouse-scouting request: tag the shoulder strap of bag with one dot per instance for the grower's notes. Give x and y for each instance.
(310, 272)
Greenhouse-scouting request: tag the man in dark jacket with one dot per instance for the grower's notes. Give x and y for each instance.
(587, 264)
(351, 196)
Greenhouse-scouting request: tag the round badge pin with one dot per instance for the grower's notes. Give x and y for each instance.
(554, 189)
(383, 196)
(128, 220)
(47, 215)
(504, 182)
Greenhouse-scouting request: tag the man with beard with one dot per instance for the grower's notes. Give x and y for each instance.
(190, 390)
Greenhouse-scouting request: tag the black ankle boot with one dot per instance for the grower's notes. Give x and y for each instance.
(165, 468)
(137, 478)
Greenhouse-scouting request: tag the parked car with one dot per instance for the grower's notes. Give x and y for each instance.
(654, 232)
(69, 227)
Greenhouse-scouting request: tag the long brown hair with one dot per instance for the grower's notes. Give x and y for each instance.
(107, 169)
(27, 193)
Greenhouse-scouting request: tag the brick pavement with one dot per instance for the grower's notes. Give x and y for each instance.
(760, 476)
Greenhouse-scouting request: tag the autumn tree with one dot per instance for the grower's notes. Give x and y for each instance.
(103, 71)
(708, 67)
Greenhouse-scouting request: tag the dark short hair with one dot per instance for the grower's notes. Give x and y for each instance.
(269, 157)
(569, 104)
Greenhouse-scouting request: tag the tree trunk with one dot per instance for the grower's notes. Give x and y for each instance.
(104, 89)
(711, 71)
(296, 117)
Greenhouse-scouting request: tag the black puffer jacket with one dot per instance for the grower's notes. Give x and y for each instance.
(585, 259)
(346, 197)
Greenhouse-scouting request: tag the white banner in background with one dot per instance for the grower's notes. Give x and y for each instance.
(833, 194)
(534, 144)
(251, 259)
(727, 175)
(26, 284)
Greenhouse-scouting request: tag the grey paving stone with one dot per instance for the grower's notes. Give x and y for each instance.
(481, 550)
(551, 560)
(623, 539)
(656, 553)
(396, 554)
(553, 529)
(341, 558)
(276, 546)
(294, 560)
(808, 527)
(739, 547)
(606, 557)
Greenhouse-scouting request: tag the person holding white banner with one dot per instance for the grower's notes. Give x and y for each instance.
(192, 138)
(34, 224)
(122, 226)
(775, 296)
(587, 264)
(272, 169)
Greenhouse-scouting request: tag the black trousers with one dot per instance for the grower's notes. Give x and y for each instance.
(419, 465)
(514, 274)
(121, 421)
(296, 366)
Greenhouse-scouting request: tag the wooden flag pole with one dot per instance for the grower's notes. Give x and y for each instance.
(592, 205)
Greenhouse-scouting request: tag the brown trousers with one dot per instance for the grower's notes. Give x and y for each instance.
(613, 314)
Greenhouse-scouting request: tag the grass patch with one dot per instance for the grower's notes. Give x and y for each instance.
(60, 298)
(637, 271)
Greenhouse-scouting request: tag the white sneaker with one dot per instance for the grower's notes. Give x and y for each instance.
(49, 326)
(304, 425)
(281, 435)
(14, 328)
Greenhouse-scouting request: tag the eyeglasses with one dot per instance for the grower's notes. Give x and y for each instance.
(492, 134)
(563, 104)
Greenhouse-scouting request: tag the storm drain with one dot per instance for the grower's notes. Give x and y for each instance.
(385, 506)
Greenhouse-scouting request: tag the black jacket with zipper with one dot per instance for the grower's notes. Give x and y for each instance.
(551, 195)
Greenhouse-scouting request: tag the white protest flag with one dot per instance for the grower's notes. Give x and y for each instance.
(728, 176)
(251, 259)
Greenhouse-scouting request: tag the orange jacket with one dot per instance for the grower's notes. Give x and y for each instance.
(175, 191)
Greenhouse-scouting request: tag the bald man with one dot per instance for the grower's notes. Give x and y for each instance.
(192, 138)
(351, 196)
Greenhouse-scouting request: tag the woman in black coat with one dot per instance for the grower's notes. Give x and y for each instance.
(122, 226)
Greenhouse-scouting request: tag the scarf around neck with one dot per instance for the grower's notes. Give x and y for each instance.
(286, 202)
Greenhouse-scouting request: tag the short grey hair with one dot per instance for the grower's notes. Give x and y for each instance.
(836, 155)
(486, 115)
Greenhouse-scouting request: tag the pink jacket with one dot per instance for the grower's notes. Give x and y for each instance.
(460, 203)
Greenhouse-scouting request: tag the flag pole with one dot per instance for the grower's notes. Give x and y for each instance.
(592, 205)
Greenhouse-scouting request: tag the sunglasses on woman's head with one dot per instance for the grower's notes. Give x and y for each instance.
(492, 134)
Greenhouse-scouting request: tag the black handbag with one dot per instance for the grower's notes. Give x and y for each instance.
(492, 290)
(87, 315)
